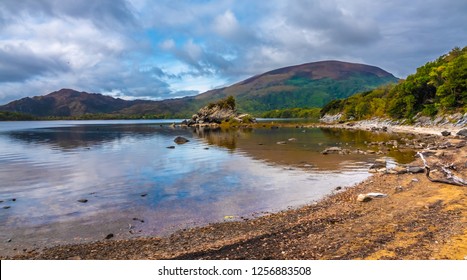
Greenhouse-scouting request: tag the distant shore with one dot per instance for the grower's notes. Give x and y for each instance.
(417, 219)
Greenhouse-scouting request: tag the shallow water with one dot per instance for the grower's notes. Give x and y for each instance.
(135, 186)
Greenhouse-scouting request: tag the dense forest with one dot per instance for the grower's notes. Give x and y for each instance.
(438, 87)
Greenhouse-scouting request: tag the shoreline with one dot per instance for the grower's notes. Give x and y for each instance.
(417, 220)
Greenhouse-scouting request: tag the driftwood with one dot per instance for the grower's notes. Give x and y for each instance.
(450, 178)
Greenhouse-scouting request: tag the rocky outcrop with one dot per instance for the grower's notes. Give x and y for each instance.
(216, 113)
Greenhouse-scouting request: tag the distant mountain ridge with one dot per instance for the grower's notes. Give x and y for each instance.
(307, 85)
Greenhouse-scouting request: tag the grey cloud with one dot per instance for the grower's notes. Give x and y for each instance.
(331, 22)
(18, 64)
(103, 13)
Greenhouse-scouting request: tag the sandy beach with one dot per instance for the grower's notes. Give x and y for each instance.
(414, 219)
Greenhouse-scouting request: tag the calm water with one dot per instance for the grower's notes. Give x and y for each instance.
(135, 186)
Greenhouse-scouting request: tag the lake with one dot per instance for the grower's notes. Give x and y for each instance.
(78, 181)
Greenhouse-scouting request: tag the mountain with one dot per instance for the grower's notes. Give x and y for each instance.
(67, 102)
(306, 85)
(438, 87)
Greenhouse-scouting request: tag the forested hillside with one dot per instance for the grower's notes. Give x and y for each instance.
(438, 87)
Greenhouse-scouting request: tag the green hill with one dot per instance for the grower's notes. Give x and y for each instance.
(438, 87)
(308, 85)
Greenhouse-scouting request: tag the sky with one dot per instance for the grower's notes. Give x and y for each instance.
(161, 49)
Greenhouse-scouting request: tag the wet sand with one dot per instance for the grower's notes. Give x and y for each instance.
(418, 219)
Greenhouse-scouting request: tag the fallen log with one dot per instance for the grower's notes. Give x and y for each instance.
(450, 178)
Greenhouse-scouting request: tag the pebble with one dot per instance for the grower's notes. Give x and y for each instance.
(109, 236)
(6, 207)
(82, 200)
(415, 180)
(363, 198)
(399, 189)
(144, 194)
(171, 147)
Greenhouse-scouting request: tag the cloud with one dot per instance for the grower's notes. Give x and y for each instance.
(166, 48)
(19, 63)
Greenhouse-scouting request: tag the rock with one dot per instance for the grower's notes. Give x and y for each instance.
(8, 240)
(398, 169)
(445, 133)
(144, 194)
(415, 169)
(292, 139)
(83, 200)
(338, 188)
(171, 147)
(218, 112)
(181, 140)
(398, 189)
(415, 180)
(379, 163)
(462, 132)
(363, 198)
(109, 236)
(281, 143)
(331, 150)
(376, 195)
(6, 207)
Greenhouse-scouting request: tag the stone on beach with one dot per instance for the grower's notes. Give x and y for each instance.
(369, 196)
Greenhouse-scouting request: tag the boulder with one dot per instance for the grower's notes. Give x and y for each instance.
(181, 140)
(462, 132)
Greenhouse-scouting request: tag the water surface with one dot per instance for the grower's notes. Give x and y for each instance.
(135, 186)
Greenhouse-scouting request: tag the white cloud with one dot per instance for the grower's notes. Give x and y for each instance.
(151, 49)
(226, 24)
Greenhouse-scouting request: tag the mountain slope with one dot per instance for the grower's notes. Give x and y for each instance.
(306, 85)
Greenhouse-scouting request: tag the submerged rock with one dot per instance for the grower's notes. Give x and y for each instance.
(181, 140)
